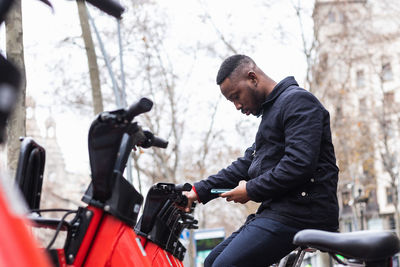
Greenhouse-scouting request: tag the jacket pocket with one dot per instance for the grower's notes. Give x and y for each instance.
(296, 203)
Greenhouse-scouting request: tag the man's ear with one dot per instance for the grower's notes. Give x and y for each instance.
(253, 77)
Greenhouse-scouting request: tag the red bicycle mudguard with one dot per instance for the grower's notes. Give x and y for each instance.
(18, 247)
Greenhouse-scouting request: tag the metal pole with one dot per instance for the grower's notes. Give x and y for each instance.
(107, 61)
(123, 95)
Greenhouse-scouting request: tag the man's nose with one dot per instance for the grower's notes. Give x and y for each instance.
(237, 105)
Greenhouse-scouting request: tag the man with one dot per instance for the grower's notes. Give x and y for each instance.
(291, 167)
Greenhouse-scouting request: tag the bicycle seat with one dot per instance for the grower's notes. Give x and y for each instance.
(363, 245)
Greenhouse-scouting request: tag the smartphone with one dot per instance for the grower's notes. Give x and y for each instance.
(219, 190)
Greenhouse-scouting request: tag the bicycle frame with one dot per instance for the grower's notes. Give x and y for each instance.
(107, 242)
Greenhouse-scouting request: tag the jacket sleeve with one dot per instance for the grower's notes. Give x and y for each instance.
(302, 117)
(225, 178)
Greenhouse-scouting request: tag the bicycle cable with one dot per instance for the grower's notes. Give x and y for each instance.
(59, 227)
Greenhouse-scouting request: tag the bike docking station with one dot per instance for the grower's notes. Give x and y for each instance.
(105, 232)
(162, 223)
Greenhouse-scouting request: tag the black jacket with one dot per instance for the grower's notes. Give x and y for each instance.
(291, 167)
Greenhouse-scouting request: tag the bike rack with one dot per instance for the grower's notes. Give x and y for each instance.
(162, 221)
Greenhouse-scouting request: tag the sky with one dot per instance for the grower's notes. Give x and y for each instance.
(276, 43)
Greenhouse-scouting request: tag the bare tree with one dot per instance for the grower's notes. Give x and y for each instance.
(15, 54)
(91, 56)
(386, 118)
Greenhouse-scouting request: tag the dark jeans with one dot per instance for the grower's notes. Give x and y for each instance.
(259, 242)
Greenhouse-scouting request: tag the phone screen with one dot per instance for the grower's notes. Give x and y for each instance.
(219, 190)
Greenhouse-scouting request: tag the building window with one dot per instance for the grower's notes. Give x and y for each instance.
(388, 98)
(392, 222)
(360, 79)
(387, 74)
(389, 195)
(331, 17)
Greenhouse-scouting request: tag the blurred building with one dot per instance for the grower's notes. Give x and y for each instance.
(61, 189)
(356, 73)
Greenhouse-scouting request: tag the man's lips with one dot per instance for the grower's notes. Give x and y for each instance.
(246, 112)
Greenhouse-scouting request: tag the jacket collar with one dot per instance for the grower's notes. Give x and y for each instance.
(279, 88)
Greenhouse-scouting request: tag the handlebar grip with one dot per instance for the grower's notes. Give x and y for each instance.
(110, 7)
(152, 140)
(159, 142)
(183, 187)
(143, 105)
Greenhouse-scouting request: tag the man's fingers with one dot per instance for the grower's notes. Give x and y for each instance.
(192, 197)
(226, 194)
(189, 205)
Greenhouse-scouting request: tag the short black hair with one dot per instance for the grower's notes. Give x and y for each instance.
(229, 65)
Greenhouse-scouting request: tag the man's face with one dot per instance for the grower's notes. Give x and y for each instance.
(243, 94)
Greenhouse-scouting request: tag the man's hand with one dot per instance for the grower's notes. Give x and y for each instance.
(192, 197)
(237, 194)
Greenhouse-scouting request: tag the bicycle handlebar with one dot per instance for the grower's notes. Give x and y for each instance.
(110, 7)
(183, 187)
(159, 142)
(125, 117)
(152, 140)
(142, 106)
(175, 192)
(173, 188)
